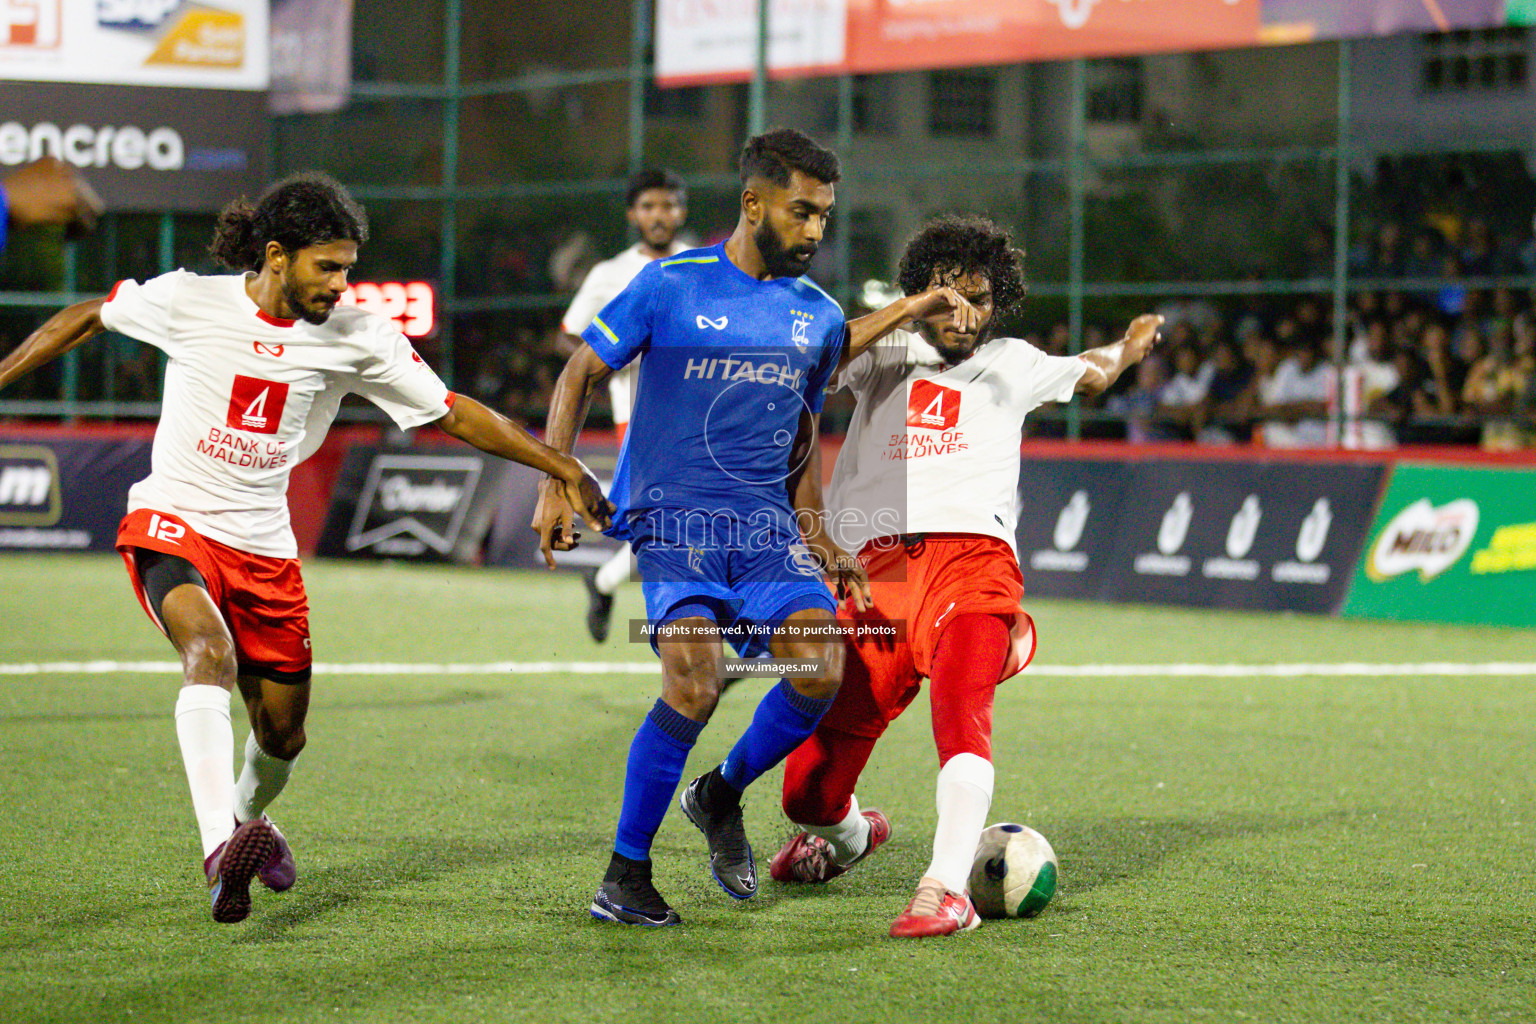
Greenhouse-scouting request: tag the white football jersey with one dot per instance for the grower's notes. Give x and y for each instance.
(248, 397)
(935, 449)
(600, 287)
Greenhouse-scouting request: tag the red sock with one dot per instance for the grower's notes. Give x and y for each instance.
(967, 661)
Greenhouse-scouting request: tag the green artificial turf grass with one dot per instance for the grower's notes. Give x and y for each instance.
(1313, 849)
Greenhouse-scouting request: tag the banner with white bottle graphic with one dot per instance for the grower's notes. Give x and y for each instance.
(1068, 512)
(1451, 545)
(1231, 533)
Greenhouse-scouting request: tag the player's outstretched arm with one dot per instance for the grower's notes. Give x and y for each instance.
(474, 424)
(810, 513)
(1108, 362)
(63, 331)
(936, 302)
(553, 517)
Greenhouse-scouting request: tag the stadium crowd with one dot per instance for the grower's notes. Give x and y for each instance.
(1448, 366)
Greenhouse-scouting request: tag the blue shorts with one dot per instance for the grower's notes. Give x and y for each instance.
(748, 588)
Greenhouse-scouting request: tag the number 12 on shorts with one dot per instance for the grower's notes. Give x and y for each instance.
(164, 529)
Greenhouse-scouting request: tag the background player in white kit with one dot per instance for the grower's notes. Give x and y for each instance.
(933, 450)
(258, 365)
(656, 205)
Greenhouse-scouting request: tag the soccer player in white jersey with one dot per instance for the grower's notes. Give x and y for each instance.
(258, 364)
(924, 490)
(656, 205)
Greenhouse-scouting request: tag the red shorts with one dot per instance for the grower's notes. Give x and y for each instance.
(261, 598)
(924, 584)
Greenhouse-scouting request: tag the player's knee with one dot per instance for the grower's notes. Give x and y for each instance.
(281, 741)
(823, 683)
(805, 803)
(209, 660)
(802, 807)
(691, 681)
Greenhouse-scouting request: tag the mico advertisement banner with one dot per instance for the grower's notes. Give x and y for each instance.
(1451, 544)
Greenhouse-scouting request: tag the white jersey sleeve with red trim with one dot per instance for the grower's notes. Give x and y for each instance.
(143, 311)
(399, 381)
(1050, 378)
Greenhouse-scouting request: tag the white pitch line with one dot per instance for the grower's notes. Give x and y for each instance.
(648, 668)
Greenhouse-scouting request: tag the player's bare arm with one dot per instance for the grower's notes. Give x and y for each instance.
(1108, 362)
(63, 331)
(554, 516)
(474, 424)
(936, 304)
(810, 512)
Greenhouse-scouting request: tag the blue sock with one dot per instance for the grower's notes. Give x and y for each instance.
(784, 718)
(656, 759)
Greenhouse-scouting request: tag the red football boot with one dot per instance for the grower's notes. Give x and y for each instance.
(808, 858)
(935, 911)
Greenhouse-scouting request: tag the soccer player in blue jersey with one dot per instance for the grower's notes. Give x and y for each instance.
(720, 457)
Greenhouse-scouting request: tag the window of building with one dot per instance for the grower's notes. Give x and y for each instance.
(1114, 91)
(962, 102)
(874, 103)
(684, 101)
(1475, 60)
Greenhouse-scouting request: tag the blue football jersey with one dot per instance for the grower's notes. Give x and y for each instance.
(731, 363)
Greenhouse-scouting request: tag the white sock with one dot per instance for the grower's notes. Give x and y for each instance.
(262, 778)
(963, 796)
(615, 571)
(849, 837)
(208, 752)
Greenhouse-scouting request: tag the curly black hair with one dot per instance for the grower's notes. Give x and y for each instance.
(309, 208)
(775, 154)
(956, 246)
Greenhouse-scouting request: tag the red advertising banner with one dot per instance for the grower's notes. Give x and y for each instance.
(896, 35)
(715, 40)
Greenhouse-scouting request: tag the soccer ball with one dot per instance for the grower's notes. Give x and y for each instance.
(1015, 872)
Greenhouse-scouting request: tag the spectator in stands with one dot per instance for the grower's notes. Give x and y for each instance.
(1293, 395)
(1221, 418)
(1425, 258)
(1060, 340)
(1317, 253)
(1479, 256)
(1399, 405)
(1495, 378)
(1140, 404)
(1372, 354)
(1386, 257)
(1527, 256)
(1191, 380)
(1439, 393)
(1182, 396)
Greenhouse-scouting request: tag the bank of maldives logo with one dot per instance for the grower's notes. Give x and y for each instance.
(29, 486)
(256, 405)
(933, 406)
